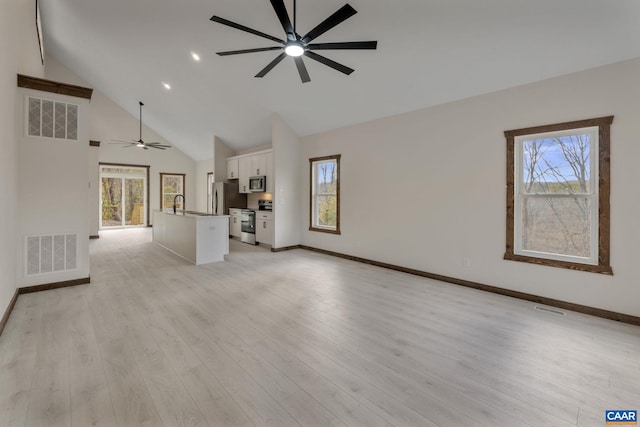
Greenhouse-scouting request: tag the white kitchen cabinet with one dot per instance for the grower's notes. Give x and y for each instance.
(259, 164)
(232, 168)
(244, 172)
(235, 222)
(248, 165)
(264, 227)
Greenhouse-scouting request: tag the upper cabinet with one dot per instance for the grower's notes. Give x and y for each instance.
(244, 172)
(248, 165)
(232, 168)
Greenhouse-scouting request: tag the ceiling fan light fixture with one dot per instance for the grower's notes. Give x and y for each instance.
(294, 49)
(140, 144)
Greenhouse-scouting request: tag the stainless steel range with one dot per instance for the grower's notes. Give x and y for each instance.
(248, 226)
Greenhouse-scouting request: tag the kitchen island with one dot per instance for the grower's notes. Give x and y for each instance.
(197, 237)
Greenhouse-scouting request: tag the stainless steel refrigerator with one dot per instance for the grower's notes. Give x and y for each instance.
(225, 195)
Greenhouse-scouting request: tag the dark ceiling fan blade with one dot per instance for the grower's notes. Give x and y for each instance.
(302, 70)
(157, 145)
(243, 28)
(259, 49)
(118, 141)
(271, 64)
(339, 16)
(328, 62)
(283, 16)
(369, 45)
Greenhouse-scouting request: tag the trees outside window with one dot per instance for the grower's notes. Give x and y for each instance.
(171, 184)
(558, 195)
(325, 194)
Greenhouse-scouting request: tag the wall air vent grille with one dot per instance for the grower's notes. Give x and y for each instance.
(52, 119)
(51, 253)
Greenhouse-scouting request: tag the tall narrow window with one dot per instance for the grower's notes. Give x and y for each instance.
(558, 195)
(171, 185)
(325, 194)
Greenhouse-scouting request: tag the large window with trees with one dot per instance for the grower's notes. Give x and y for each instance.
(123, 195)
(325, 194)
(558, 195)
(171, 185)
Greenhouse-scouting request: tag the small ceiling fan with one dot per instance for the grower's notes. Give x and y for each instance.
(140, 142)
(297, 46)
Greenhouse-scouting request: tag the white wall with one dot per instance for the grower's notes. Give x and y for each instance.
(53, 188)
(109, 122)
(18, 54)
(203, 167)
(220, 153)
(288, 167)
(427, 188)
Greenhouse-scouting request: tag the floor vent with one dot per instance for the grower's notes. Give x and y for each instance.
(51, 253)
(550, 310)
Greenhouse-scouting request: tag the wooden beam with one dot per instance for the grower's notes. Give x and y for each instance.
(44, 85)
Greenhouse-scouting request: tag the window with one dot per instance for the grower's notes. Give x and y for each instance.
(325, 194)
(558, 195)
(123, 195)
(171, 184)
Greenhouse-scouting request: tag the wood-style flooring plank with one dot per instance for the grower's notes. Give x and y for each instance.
(302, 339)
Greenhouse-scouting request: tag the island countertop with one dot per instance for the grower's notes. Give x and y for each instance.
(195, 236)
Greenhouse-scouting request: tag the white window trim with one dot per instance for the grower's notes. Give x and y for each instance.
(592, 195)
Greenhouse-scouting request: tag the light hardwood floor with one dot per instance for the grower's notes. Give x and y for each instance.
(299, 338)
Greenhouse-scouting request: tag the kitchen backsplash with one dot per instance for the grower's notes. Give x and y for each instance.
(252, 199)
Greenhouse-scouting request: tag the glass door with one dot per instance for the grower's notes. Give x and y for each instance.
(123, 197)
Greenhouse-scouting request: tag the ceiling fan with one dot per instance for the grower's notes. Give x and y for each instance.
(297, 46)
(140, 142)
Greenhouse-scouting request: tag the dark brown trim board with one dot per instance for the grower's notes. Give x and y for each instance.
(7, 313)
(604, 191)
(55, 285)
(286, 248)
(38, 288)
(51, 86)
(337, 158)
(606, 314)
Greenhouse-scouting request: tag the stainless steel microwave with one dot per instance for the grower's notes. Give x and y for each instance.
(258, 184)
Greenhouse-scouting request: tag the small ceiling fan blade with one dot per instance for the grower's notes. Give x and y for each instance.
(271, 64)
(339, 16)
(157, 145)
(283, 16)
(368, 45)
(259, 49)
(243, 28)
(302, 70)
(328, 62)
(119, 141)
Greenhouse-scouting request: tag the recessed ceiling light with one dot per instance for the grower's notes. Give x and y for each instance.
(195, 56)
(166, 85)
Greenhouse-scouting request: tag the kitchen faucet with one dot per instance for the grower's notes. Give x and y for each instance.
(183, 203)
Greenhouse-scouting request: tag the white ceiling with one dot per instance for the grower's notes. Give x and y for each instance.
(429, 52)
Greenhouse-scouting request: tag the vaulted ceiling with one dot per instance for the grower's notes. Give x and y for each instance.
(429, 52)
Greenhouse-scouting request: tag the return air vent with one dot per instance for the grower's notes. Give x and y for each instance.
(51, 253)
(52, 119)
